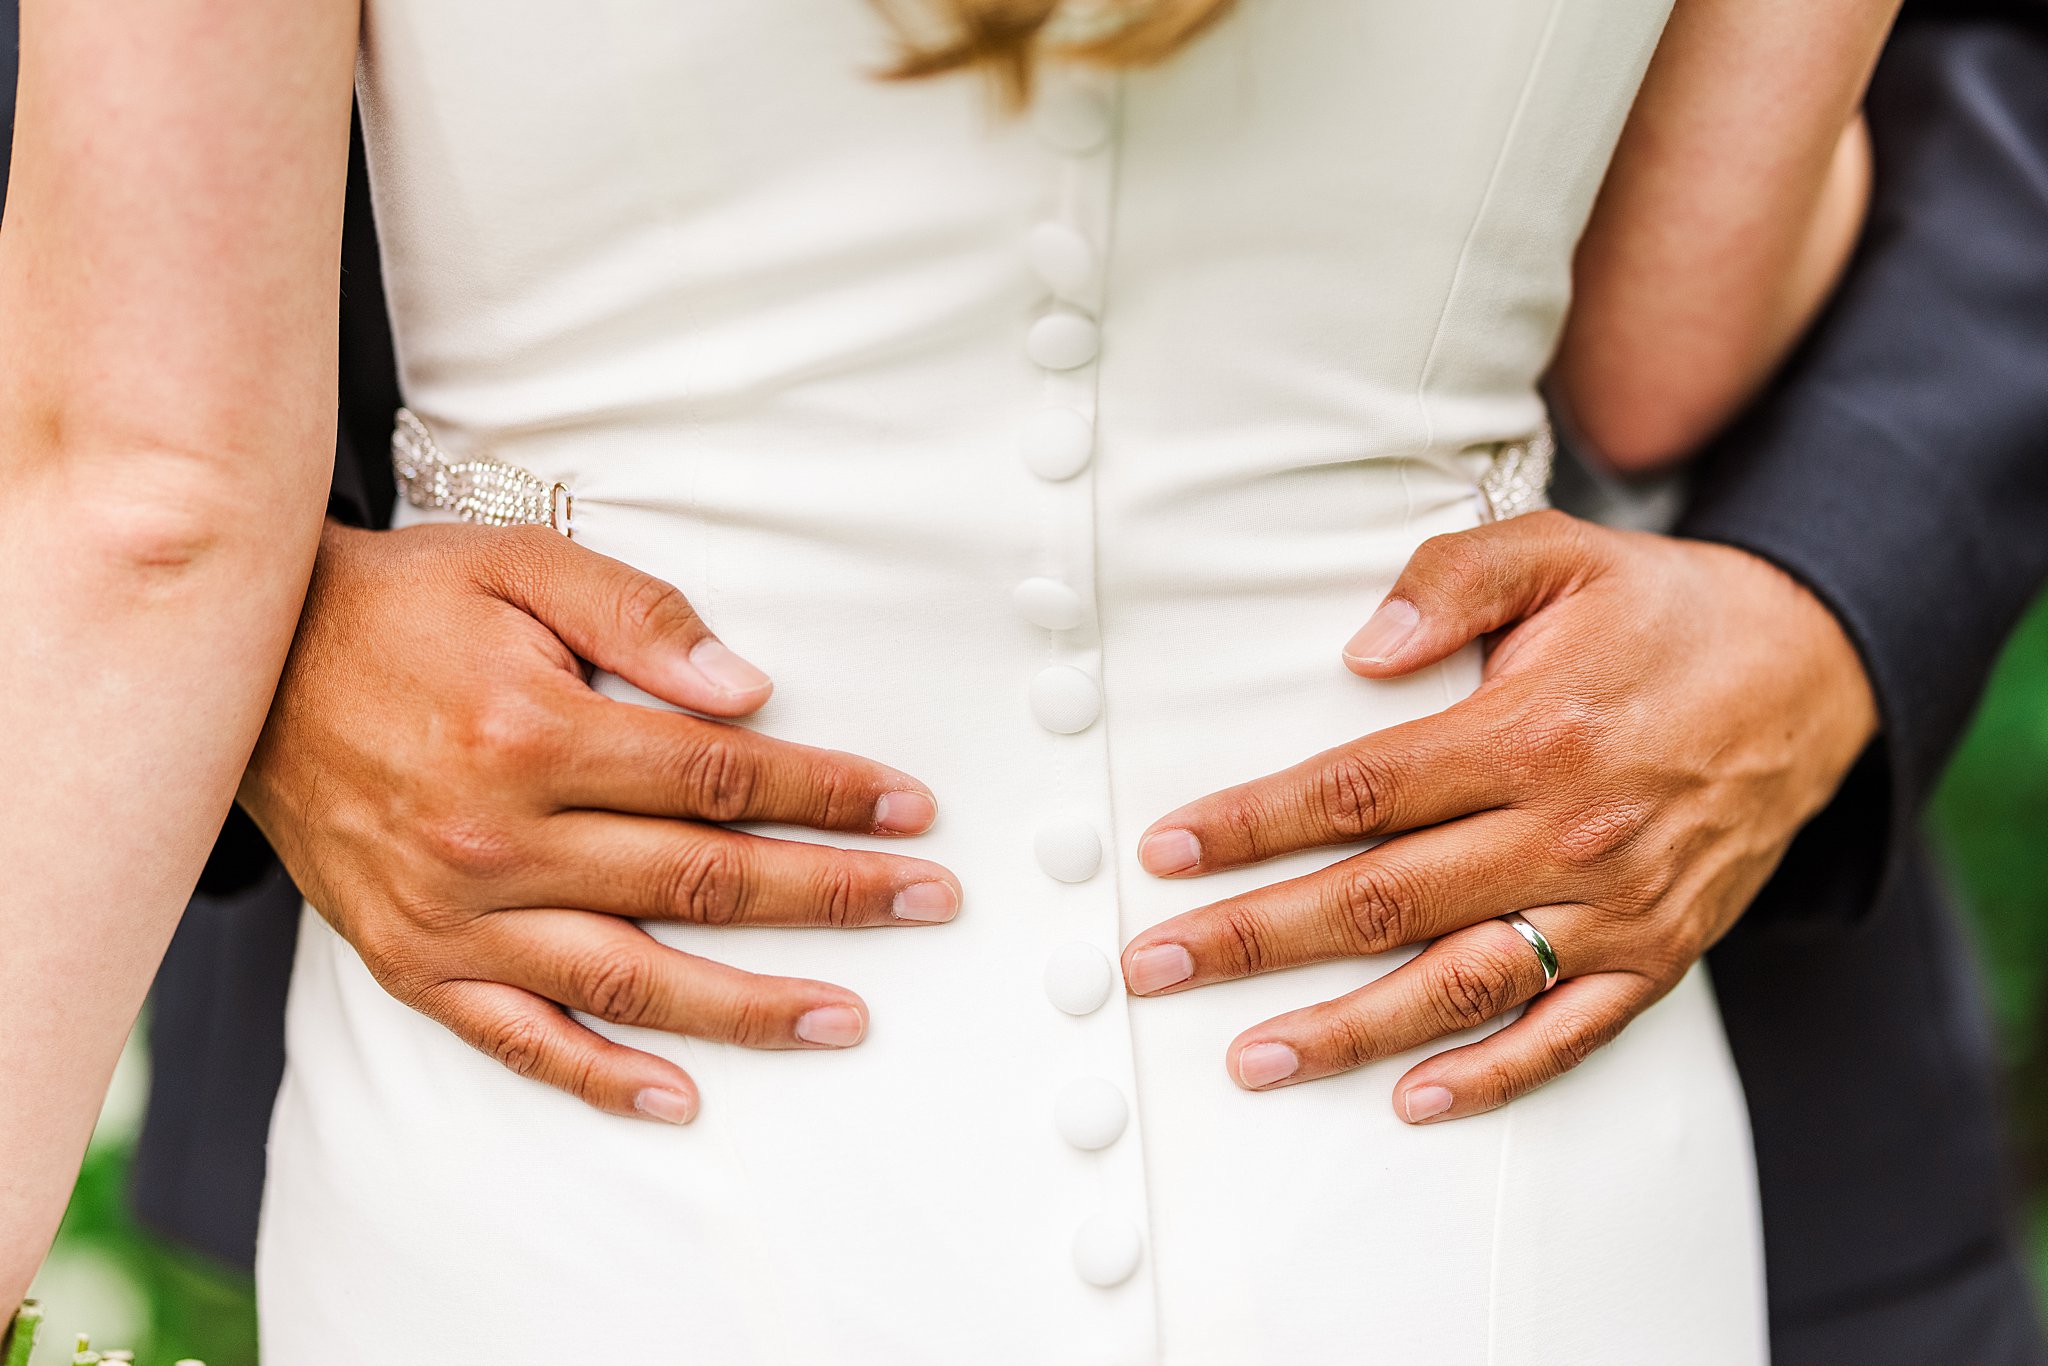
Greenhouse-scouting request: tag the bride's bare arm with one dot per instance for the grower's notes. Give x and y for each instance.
(168, 267)
(1734, 200)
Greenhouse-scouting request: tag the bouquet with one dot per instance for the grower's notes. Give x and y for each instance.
(19, 1341)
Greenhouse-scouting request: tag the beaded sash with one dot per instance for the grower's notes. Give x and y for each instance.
(497, 494)
(487, 491)
(1518, 480)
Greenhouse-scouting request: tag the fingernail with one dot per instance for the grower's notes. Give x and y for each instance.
(1159, 967)
(725, 670)
(1426, 1102)
(1389, 629)
(928, 902)
(1169, 851)
(905, 813)
(831, 1026)
(670, 1107)
(1262, 1064)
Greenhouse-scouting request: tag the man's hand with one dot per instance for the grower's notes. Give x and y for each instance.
(446, 788)
(1658, 719)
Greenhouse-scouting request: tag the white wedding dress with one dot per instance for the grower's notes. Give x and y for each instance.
(1212, 345)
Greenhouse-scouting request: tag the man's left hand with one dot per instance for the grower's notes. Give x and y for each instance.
(1658, 718)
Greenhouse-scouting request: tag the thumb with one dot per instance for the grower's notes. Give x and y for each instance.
(1459, 587)
(630, 624)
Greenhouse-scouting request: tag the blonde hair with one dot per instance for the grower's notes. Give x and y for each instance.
(1006, 38)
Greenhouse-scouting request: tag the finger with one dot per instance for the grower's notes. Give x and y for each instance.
(1411, 888)
(626, 757)
(626, 622)
(614, 970)
(535, 1038)
(1559, 1030)
(651, 869)
(1458, 983)
(1459, 587)
(1420, 773)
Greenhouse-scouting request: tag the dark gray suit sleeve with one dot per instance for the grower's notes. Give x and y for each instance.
(364, 490)
(1899, 468)
(10, 62)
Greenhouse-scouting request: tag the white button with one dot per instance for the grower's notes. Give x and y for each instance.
(1091, 1113)
(1057, 443)
(1077, 978)
(1068, 850)
(1106, 1250)
(1074, 119)
(1062, 258)
(1065, 700)
(1062, 341)
(1048, 603)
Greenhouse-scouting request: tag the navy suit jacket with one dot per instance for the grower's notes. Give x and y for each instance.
(1899, 468)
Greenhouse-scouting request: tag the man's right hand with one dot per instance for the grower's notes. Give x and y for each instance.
(447, 789)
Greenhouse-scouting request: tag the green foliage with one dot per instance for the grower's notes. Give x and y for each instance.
(1991, 821)
(195, 1310)
(20, 1339)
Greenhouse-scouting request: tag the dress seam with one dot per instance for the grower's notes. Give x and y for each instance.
(1500, 1205)
(1479, 217)
(1113, 199)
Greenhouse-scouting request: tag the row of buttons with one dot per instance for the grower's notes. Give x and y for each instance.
(1090, 1113)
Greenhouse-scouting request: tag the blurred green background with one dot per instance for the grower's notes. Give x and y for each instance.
(1991, 818)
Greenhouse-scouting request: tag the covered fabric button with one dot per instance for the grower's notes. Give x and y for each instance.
(1057, 443)
(1062, 341)
(1065, 700)
(1062, 258)
(1048, 603)
(1078, 978)
(1072, 119)
(1068, 850)
(1106, 1250)
(1091, 1113)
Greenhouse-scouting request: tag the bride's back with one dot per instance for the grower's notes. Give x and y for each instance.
(1350, 217)
(1050, 458)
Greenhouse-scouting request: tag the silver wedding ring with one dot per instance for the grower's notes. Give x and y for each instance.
(1545, 955)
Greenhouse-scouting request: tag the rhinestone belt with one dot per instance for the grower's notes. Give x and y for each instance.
(497, 494)
(1518, 480)
(487, 491)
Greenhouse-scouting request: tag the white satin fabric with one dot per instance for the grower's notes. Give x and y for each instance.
(777, 324)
